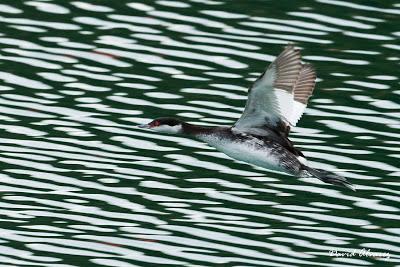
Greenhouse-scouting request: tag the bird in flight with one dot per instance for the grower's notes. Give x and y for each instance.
(276, 101)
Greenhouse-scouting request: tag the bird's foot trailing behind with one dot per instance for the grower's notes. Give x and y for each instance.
(327, 177)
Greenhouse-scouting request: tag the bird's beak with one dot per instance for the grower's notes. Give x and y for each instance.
(144, 126)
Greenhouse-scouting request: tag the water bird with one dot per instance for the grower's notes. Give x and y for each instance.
(276, 101)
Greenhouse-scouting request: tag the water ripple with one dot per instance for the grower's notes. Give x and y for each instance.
(82, 186)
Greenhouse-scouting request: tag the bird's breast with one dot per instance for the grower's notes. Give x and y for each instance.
(254, 151)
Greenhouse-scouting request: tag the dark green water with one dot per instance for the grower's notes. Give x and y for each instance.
(81, 186)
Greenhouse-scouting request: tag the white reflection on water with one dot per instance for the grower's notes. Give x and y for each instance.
(83, 185)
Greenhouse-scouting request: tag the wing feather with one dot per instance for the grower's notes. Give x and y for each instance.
(271, 98)
(305, 84)
(303, 89)
(278, 98)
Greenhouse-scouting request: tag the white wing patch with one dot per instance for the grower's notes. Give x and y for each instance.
(280, 94)
(285, 103)
(297, 111)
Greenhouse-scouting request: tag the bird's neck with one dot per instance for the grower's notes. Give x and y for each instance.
(190, 129)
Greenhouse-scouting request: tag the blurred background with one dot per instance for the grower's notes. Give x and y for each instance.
(82, 186)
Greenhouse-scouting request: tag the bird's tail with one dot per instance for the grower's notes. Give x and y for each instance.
(327, 177)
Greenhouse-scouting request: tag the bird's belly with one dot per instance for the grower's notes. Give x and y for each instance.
(250, 152)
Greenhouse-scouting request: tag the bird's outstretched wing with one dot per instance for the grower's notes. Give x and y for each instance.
(277, 99)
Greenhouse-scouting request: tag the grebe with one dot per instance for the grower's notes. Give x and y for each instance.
(276, 101)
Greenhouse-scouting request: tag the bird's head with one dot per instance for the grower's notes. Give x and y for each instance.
(165, 125)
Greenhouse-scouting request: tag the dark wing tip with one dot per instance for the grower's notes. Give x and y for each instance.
(305, 83)
(287, 66)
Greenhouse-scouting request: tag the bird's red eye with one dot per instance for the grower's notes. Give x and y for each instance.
(155, 123)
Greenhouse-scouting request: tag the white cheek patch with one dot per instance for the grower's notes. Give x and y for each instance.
(168, 129)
